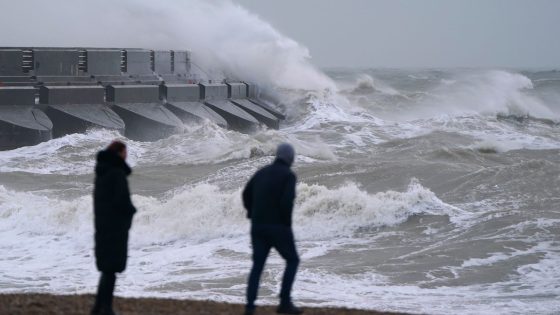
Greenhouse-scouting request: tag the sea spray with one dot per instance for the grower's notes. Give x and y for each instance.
(226, 39)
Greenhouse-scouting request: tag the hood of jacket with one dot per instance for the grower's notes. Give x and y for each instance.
(108, 160)
(278, 161)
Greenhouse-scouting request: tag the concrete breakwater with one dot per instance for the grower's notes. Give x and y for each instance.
(144, 94)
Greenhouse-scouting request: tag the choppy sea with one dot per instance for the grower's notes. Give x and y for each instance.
(430, 191)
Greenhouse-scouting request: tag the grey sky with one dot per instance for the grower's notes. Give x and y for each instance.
(420, 33)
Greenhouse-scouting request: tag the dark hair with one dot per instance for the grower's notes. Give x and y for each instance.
(116, 146)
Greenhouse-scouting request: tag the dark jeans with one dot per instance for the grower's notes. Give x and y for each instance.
(263, 238)
(104, 298)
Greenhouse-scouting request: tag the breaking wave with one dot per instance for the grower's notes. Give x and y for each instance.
(488, 92)
(366, 84)
(204, 212)
(197, 144)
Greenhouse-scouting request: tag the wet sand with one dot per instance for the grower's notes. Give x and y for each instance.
(31, 304)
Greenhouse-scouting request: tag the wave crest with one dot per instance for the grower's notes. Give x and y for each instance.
(205, 212)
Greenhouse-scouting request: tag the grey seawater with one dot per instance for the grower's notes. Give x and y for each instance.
(427, 191)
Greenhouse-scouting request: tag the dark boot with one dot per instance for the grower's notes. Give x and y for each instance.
(288, 308)
(97, 311)
(249, 310)
(108, 312)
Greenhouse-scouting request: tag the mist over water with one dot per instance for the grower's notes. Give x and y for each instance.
(428, 191)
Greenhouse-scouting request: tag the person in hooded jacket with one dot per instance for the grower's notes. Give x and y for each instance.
(269, 199)
(113, 212)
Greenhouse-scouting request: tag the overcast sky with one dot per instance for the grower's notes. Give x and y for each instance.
(420, 33)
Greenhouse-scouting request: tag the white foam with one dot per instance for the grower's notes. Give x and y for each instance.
(498, 136)
(495, 145)
(366, 84)
(488, 92)
(544, 274)
(71, 154)
(207, 212)
(327, 213)
(196, 144)
(194, 244)
(320, 212)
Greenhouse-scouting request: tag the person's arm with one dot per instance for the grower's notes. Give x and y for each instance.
(287, 199)
(248, 196)
(122, 194)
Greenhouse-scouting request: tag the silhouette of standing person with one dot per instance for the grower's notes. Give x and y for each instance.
(113, 212)
(269, 199)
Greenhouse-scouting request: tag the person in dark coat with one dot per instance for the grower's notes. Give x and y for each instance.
(269, 199)
(113, 212)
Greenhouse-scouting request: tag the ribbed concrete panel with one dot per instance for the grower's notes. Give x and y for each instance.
(107, 80)
(95, 114)
(252, 90)
(26, 117)
(258, 112)
(214, 91)
(23, 95)
(65, 80)
(17, 81)
(105, 62)
(236, 118)
(269, 108)
(75, 109)
(72, 118)
(133, 93)
(56, 62)
(11, 61)
(22, 125)
(195, 111)
(182, 64)
(138, 62)
(72, 95)
(237, 90)
(147, 121)
(156, 112)
(175, 79)
(181, 92)
(162, 62)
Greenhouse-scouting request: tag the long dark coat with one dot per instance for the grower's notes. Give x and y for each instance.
(113, 212)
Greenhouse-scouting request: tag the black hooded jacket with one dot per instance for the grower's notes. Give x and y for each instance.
(269, 195)
(113, 211)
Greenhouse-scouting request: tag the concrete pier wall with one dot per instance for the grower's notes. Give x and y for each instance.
(238, 96)
(104, 62)
(11, 62)
(75, 109)
(142, 111)
(13, 68)
(133, 94)
(10, 95)
(184, 101)
(144, 93)
(56, 62)
(216, 97)
(252, 94)
(21, 123)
